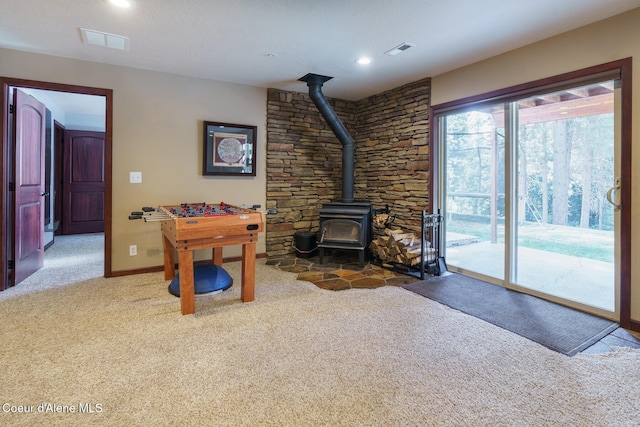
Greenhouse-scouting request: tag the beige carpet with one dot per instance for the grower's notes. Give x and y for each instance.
(296, 356)
(70, 259)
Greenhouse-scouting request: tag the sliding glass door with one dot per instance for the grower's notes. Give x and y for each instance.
(565, 237)
(528, 189)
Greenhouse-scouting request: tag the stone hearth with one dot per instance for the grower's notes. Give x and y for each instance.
(340, 270)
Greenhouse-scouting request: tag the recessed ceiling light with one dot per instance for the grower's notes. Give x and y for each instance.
(363, 60)
(120, 3)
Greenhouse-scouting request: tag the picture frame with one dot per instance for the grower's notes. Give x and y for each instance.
(229, 149)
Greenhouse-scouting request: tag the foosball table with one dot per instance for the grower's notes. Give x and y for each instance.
(191, 226)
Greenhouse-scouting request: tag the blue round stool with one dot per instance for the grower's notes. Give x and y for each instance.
(207, 278)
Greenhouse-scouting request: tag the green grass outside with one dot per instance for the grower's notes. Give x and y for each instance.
(580, 242)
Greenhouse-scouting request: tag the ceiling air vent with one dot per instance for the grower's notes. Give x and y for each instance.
(399, 49)
(98, 38)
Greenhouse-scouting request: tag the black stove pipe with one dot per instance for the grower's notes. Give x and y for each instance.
(315, 82)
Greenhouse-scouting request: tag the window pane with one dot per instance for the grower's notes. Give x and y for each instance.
(475, 191)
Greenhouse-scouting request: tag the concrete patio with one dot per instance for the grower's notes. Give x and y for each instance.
(582, 280)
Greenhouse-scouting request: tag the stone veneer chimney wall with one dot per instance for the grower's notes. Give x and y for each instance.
(304, 158)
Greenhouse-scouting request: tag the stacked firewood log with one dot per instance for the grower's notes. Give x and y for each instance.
(382, 220)
(398, 246)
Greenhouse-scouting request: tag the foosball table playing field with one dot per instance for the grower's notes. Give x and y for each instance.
(191, 226)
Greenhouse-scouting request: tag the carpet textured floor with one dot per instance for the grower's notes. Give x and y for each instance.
(559, 328)
(70, 259)
(296, 356)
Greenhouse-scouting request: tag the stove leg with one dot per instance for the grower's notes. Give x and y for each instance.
(361, 254)
(321, 255)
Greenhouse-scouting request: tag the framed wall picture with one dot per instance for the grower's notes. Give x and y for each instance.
(229, 149)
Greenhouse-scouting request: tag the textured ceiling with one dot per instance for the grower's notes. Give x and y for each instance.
(272, 43)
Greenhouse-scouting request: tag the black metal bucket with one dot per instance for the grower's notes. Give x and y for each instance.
(305, 243)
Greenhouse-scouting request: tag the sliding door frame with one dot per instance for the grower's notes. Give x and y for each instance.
(623, 69)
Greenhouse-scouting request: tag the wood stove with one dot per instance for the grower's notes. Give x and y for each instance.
(344, 224)
(347, 226)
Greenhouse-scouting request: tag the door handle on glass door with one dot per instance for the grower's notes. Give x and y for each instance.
(615, 188)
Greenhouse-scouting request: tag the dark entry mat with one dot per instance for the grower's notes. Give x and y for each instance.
(554, 326)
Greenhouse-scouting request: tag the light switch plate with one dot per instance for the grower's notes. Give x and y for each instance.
(135, 177)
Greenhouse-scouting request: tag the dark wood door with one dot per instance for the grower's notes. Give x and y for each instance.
(83, 182)
(28, 178)
(58, 173)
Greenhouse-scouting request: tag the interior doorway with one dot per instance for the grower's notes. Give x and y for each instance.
(6, 227)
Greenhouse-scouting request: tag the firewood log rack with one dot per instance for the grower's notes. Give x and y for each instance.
(431, 262)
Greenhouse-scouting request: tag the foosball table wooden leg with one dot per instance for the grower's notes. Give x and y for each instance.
(187, 292)
(217, 256)
(247, 293)
(169, 259)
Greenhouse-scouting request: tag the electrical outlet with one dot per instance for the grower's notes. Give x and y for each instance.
(133, 250)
